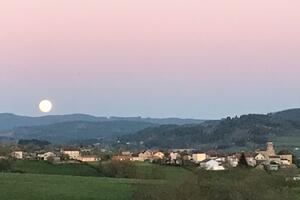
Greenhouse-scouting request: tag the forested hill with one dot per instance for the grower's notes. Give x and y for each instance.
(292, 114)
(67, 132)
(247, 130)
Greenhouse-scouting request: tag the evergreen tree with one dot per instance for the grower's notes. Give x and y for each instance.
(243, 161)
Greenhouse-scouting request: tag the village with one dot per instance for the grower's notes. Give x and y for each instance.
(211, 160)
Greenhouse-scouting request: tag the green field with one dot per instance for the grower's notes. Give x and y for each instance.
(168, 172)
(144, 170)
(40, 180)
(236, 184)
(58, 187)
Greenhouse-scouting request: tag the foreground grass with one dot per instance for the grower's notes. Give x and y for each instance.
(228, 185)
(50, 187)
(39, 180)
(236, 184)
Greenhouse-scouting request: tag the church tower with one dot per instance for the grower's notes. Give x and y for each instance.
(270, 149)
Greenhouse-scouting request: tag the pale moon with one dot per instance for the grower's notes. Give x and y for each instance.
(45, 106)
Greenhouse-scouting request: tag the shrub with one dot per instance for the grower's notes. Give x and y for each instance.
(118, 169)
(5, 165)
(236, 184)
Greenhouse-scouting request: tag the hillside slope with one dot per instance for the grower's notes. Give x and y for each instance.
(245, 131)
(292, 114)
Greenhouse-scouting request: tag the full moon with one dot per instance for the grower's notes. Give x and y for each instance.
(45, 106)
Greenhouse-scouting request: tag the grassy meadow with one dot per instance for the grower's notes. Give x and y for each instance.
(60, 187)
(236, 184)
(39, 180)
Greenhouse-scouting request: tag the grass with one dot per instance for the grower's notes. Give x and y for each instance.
(64, 187)
(42, 167)
(236, 184)
(44, 181)
(169, 172)
(296, 191)
(49, 187)
(143, 168)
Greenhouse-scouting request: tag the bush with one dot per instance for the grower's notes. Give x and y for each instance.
(118, 169)
(236, 184)
(4, 151)
(5, 165)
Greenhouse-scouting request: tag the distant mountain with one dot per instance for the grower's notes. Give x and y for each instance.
(161, 121)
(67, 132)
(9, 121)
(239, 132)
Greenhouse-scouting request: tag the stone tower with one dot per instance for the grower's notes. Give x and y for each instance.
(270, 149)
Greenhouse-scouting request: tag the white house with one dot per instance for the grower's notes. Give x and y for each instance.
(147, 155)
(212, 165)
(46, 156)
(159, 155)
(285, 162)
(174, 156)
(18, 154)
(233, 160)
(251, 161)
(221, 159)
(260, 157)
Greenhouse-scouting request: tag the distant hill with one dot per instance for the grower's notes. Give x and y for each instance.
(66, 132)
(245, 131)
(292, 114)
(10, 121)
(161, 121)
(250, 131)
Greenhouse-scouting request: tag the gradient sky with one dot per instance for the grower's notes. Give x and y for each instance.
(158, 58)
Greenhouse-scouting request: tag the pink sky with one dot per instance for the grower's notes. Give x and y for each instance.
(190, 58)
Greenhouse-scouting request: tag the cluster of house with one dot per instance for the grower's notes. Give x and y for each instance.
(148, 155)
(213, 160)
(210, 160)
(267, 159)
(74, 154)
